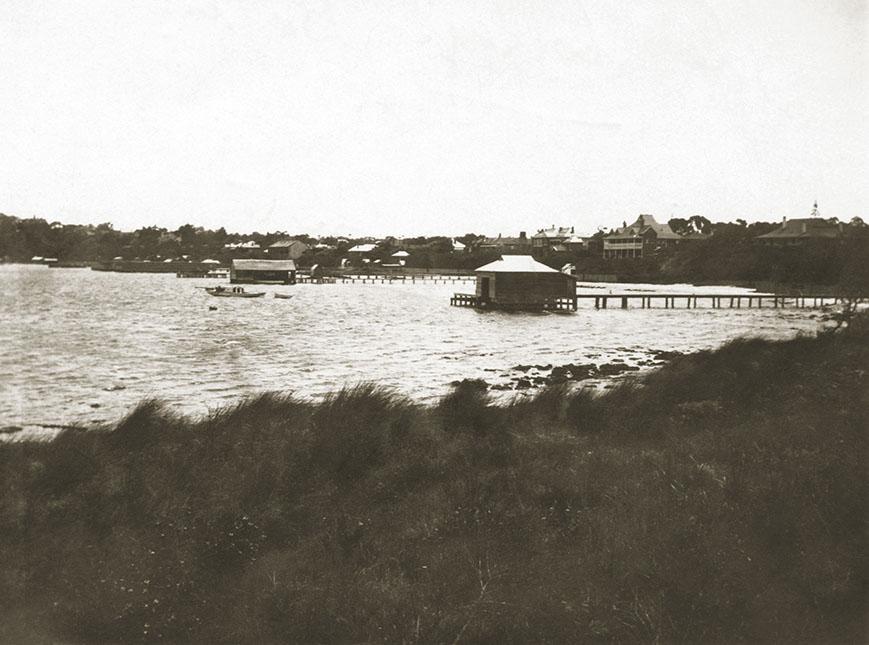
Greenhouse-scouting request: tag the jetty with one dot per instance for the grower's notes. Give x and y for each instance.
(519, 283)
(391, 278)
(708, 300)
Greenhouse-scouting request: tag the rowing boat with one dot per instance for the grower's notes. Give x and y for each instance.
(234, 292)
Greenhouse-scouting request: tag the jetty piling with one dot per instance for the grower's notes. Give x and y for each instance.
(714, 300)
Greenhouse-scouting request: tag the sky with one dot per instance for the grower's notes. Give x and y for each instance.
(431, 118)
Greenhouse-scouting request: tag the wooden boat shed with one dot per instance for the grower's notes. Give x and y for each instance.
(262, 272)
(519, 282)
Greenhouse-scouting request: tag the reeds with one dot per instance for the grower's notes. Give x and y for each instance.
(721, 498)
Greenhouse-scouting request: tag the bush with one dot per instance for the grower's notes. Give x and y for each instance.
(721, 498)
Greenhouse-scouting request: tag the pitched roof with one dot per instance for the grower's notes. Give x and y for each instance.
(516, 264)
(506, 241)
(554, 231)
(362, 248)
(264, 265)
(642, 225)
(806, 227)
(285, 244)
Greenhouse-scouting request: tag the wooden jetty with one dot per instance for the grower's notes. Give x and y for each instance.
(370, 278)
(310, 279)
(519, 283)
(711, 300)
(540, 303)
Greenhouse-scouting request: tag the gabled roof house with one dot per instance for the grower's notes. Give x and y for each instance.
(644, 236)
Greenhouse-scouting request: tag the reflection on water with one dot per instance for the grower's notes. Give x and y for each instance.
(81, 346)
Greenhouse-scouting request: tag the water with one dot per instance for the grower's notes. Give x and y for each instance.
(80, 346)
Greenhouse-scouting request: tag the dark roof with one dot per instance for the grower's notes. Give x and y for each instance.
(807, 227)
(280, 244)
(506, 241)
(643, 225)
(264, 265)
(556, 232)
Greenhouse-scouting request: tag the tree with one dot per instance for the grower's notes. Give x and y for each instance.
(853, 287)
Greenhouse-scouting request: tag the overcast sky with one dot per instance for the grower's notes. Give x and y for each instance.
(431, 117)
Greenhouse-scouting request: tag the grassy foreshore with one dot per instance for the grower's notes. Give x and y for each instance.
(724, 499)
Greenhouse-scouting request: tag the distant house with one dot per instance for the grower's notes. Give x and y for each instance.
(286, 250)
(576, 243)
(643, 237)
(249, 245)
(796, 232)
(400, 257)
(521, 244)
(362, 249)
(520, 282)
(547, 238)
(458, 247)
(262, 272)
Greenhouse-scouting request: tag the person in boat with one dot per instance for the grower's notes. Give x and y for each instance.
(219, 288)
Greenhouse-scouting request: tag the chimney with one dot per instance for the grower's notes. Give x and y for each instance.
(804, 227)
(521, 235)
(571, 230)
(784, 221)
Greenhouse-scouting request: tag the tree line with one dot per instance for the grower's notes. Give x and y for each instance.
(730, 253)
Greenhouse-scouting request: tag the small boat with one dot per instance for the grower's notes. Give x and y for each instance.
(284, 296)
(233, 292)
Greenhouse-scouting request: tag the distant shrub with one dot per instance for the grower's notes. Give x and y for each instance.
(721, 498)
(146, 425)
(466, 408)
(354, 428)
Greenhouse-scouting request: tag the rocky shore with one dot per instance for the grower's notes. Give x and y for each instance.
(535, 376)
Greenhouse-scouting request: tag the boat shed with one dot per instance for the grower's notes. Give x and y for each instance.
(262, 272)
(519, 282)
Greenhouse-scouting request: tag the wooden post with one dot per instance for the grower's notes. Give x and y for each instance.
(596, 302)
(624, 302)
(603, 304)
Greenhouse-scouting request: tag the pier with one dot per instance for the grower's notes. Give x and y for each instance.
(402, 279)
(539, 304)
(711, 300)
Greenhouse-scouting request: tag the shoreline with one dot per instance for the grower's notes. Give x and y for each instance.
(723, 497)
(785, 288)
(524, 380)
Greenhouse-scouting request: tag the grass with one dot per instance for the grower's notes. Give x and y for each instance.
(722, 498)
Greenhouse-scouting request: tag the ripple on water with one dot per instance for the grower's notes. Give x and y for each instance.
(69, 334)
